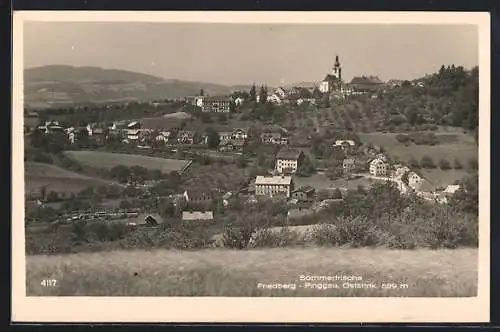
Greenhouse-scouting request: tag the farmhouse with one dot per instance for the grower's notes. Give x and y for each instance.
(378, 167)
(132, 134)
(195, 196)
(216, 104)
(185, 137)
(344, 143)
(189, 216)
(311, 101)
(288, 160)
(303, 193)
(273, 138)
(163, 136)
(274, 98)
(451, 189)
(366, 84)
(414, 180)
(232, 145)
(400, 171)
(348, 165)
(273, 185)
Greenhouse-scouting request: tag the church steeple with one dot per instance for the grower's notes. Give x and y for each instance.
(337, 70)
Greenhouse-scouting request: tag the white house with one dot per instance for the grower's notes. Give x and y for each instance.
(288, 160)
(163, 136)
(239, 133)
(273, 185)
(132, 134)
(274, 98)
(451, 189)
(344, 143)
(238, 101)
(414, 180)
(378, 167)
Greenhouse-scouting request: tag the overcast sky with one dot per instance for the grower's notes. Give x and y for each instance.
(246, 53)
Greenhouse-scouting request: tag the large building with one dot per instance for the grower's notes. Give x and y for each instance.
(216, 104)
(273, 186)
(366, 84)
(333, 80)
(378, 167)
(288, 160)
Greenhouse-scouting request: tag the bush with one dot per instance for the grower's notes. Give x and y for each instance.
(444, 164)
(403, 138)
(414, 163)
(427, 162)
(272, 239)
(457, 164)
(237, 238)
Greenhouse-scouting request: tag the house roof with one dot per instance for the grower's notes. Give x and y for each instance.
(273, 180)
(451, 189)
(306, 189)
(270, 135)
(133, 123)
(197, 215)
(348, 141)
(290, 154)
(366, 80)
(149, 218)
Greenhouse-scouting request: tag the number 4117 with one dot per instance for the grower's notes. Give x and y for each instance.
(48, 282)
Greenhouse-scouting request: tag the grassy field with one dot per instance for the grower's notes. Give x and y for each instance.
(462, 147)
(110, 160)
(54, 178)
(320, 181)
(443, 273)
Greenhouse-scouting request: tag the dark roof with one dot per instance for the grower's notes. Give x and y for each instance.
(306, 189)
(330, 77)
(289, 154)
(366, 80)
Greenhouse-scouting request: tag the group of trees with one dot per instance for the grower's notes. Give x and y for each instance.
(448, 97)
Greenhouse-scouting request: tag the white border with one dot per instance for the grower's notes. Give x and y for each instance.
(216, 309)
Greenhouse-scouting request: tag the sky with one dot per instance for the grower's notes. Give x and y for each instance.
(272, 54)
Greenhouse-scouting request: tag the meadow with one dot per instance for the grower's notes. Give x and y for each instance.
(109, 160)
(54, 178)
(461, 147)
(320, 181)
(222, 272)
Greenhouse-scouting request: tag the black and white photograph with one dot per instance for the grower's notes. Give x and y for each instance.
(252, 157)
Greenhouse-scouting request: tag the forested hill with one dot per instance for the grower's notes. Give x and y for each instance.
(449, 97)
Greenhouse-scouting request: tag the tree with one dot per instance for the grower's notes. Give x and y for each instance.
(404, 178)
(232, 106)
(202, 92)
(427, 162)
(120, 173)
(444, 164)
(457, 164)
(253, 93)
(213, 138)
(263, 95)
(241, 162)
(414, 163)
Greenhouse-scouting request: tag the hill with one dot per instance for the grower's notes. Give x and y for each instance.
(59, 86)
(426, 273)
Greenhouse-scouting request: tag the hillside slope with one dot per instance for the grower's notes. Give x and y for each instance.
(59, 86)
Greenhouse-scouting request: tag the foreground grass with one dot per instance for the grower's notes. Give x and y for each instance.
(221, 272)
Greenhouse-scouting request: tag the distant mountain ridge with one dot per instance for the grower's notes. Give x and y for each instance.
(62, 85)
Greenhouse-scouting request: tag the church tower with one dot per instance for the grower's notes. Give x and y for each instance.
(337, 70)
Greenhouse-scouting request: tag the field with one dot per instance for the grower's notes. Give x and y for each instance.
(110, 160)
(206, 177)
(54, 178)
(442, 273)
(463, 147)
(320, 181)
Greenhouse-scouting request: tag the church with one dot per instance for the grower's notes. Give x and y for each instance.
(332, 81)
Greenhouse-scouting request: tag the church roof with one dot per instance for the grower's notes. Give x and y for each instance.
(331, 78)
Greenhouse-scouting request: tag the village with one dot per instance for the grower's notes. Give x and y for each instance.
(268, 162)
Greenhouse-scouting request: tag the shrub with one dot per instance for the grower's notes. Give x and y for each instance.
(457, 164)
(269, 238)
(427, 162)
(414, 163)
(444, 164)
(403, 138)
(473, 164)
(324, 234)
(237, 238)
